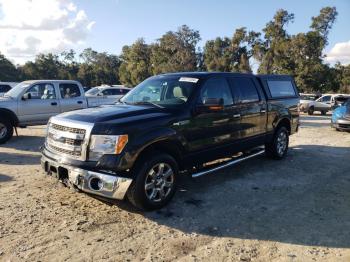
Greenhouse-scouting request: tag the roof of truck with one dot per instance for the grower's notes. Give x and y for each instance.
(49, 80)
(206, 74)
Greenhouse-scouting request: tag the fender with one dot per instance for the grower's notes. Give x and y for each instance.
(9, 115)
(166, 138)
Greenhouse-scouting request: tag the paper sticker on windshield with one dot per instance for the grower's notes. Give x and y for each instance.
(188, 79)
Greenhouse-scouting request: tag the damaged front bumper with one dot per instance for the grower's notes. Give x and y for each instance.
(97, 183)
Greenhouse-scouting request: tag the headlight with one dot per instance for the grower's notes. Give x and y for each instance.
(101, 145)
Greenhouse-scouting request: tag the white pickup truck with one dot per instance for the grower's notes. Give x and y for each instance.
(34, 102)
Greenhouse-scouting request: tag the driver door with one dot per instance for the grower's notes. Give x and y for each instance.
(42, 103)
(210, 134)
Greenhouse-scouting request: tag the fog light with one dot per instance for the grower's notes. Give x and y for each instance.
(96, 184)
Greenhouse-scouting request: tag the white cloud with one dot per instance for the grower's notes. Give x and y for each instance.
(339, 53)
(29, 27)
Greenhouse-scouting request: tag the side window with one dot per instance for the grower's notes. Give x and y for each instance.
(42, 91)
(111, 92)
(216, 88)
(244, 90)
(4, 88)
(281, 88)
(69, 91)
(326, 99)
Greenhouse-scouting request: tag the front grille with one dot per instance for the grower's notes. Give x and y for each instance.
(344, 126)
(68, 129)
(66, 140)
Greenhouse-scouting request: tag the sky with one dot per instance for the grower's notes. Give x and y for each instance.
(29, 27)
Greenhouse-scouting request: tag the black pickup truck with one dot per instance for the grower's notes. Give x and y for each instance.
(168, 125)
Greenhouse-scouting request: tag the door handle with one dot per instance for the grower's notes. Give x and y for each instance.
(237, 116)
(54, 103)
(80, 102)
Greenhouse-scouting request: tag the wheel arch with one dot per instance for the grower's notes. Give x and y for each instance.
(9, 115)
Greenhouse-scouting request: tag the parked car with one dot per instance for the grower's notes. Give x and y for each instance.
(112, 93)
(167, 125)
(323, 104)
(34, 102)
(341, 117)
(5, 87)
(340, 100)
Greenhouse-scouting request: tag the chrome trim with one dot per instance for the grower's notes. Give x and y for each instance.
(230, 163)
(72, 124)
(114, 187)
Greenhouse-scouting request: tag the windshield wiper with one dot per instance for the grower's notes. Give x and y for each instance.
(147, 103)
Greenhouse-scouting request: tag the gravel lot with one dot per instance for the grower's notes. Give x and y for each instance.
(297, 209)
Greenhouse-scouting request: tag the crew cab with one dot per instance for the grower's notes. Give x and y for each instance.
(168, 125)
(34, 102)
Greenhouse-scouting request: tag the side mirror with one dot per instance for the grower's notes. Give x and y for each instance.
(27, 96)
(211, 105)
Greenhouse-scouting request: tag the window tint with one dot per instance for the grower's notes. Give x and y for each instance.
(244, 90)
(4, 88)
(216, 88)
(281, 88)
(69, 90)
(326, 98)
(42, 91)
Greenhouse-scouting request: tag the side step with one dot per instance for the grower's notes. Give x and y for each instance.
(229, 163)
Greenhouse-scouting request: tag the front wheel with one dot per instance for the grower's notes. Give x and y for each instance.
(323, 112)
(6, 131)
(155, 182)
(278, 147)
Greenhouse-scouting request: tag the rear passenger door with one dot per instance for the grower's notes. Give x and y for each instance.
(252, 107)
(71, 97)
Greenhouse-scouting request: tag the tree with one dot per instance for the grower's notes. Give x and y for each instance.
(8, 71)
(175, 51)
(323, 23)
(98, 68)
(135, 66)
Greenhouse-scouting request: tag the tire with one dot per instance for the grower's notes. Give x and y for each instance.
(6, 131)
(278, 147)
(311, 111)
(161, 184)
(323, 112)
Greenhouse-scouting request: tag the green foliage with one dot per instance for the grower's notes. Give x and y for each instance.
(135, 66)
(175, 51)
(8, 71)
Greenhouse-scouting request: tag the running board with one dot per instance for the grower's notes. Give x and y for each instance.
(230, 163)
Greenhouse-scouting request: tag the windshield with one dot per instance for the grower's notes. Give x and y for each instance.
(163, 91)
(92, 92)
(17, 90)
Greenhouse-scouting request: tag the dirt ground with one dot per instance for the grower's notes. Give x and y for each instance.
(297, 209)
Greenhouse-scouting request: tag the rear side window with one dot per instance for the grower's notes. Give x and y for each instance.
(281, 88)
(244, 90)
(69, 91)
(4, 88)
(112, 92)
(217, 88)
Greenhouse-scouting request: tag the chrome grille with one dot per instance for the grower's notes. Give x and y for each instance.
(66, 140)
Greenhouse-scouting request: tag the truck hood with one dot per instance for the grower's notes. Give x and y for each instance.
(115, 113)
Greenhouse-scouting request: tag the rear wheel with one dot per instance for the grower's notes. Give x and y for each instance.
(278, 147)
(155, 182)
(311, 111)
(6, 131)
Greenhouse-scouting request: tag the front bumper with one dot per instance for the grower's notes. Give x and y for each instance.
(342, 124)
(92, 182)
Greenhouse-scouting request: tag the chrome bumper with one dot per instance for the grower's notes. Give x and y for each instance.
(101, 184)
